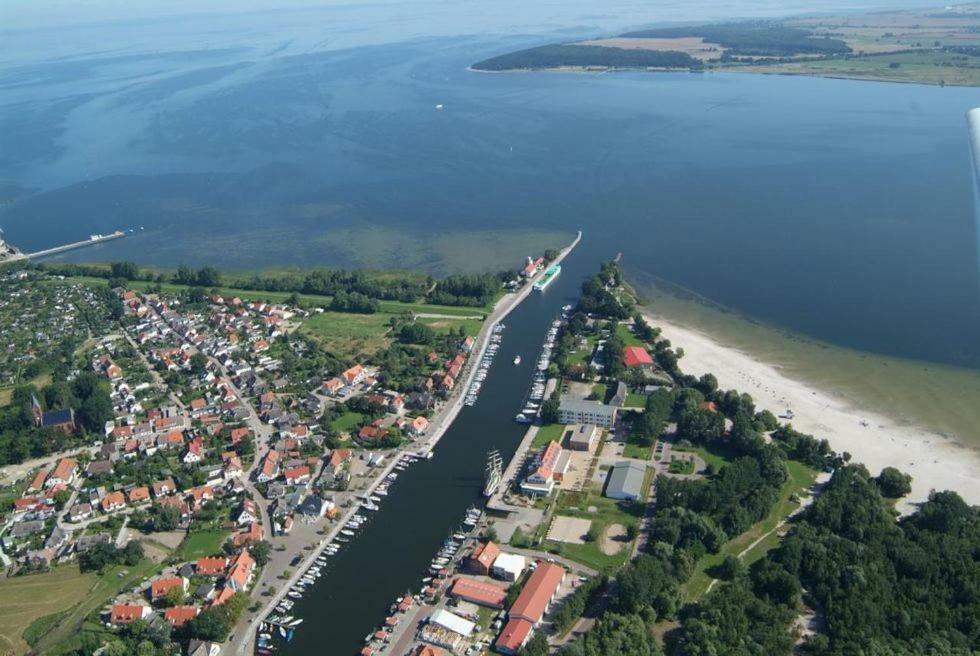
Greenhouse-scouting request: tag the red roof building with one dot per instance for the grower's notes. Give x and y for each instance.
(214, 566)
(126, 613)
(538, 592)
(479, 592)
(160, 587)
(636, 356)
(483, 556)
(179, 615)
(515, 635)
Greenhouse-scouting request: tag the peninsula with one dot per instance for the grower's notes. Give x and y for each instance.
(928, 46)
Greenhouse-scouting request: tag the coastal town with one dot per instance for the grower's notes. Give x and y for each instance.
(189, 462)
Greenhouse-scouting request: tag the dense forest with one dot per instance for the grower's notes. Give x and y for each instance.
(559, 55)
(759, 39)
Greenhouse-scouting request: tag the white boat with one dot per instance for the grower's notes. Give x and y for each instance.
(296, 622)
(347, 532)
(517, 359)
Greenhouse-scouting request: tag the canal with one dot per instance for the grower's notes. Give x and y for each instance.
(391, 554)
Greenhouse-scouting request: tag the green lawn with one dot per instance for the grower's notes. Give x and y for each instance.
(713, 457)
(470, 326)
(201, 544)
(547, 433)
(347, 421)
(629, 339)
(636, 450)
(800, 479)
(636, 400)
(599, 390)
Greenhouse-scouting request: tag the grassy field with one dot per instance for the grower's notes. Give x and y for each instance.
(636, 400)
(346, 421)
(470, 326)
(636, 450)
(629, 339)
(606, 512)
(201, 544)
(26, 600)
(547, 433)
(40, 382)
(348, 335)
(58, 639)
(924, 67)
(800, 479)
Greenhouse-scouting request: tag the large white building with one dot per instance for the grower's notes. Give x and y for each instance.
(580, 411)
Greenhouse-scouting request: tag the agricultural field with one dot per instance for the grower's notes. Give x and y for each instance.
(27, 600)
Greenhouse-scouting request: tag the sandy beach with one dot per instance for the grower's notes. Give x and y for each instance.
(934, 461)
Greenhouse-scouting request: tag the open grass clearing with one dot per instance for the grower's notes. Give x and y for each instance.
(800, 479)
(347, 422)
(347, 335)
(626, 335)
(201, 543)
(548, 433)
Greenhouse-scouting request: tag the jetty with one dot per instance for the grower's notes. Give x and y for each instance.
(10, 253)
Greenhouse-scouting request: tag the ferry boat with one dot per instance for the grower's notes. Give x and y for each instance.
(549, 276)
(494, 464)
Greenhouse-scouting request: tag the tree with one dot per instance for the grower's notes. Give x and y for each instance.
(537, 646)
(174, 596)
(549, 411)
(261, 551)
(126, 270)
(199, 363)
(893, 483)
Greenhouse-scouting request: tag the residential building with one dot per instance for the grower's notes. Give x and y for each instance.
(122, 614)
(581, 411)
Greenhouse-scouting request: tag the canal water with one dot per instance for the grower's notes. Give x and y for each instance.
(392, 553)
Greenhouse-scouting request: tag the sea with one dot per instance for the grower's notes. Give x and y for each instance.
(245, 135)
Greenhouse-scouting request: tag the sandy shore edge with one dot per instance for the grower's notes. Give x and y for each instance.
(936, 462)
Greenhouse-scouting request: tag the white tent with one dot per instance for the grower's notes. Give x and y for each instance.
(453, 622)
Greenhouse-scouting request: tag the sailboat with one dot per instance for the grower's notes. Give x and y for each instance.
(494, 464)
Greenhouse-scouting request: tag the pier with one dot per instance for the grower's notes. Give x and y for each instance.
(10, 253)
(91, 241)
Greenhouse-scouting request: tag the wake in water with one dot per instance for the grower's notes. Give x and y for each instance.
(973, 123)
